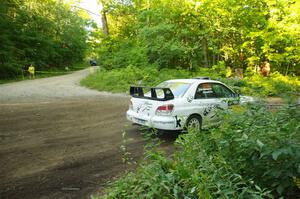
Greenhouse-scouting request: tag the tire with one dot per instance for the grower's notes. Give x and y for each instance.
(194, 122)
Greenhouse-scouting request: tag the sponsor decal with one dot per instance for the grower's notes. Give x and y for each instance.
(178, 121)
(144, 107)
(210, 108)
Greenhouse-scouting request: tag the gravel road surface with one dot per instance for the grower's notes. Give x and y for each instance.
(48, 89)
(60, 140)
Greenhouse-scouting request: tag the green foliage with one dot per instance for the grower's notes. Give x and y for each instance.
(119, 80)
(275, 85)
(196, 34)
(122, 54)
(45, 33)
(9, 70)
(261, 145)
(229, 161)
(18, 75)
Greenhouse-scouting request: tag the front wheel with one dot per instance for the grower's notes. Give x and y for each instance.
(194, 122)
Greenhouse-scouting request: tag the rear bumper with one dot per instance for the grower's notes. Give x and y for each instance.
(158, 122)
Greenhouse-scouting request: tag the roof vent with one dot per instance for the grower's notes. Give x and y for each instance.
(202, 77)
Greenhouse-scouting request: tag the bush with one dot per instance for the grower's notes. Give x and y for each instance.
(261, 145)
(119, 80)
(9, 71)
(275, 85)
(254, 153)
(191, 173)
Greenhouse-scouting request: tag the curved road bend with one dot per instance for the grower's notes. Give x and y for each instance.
(60, 140)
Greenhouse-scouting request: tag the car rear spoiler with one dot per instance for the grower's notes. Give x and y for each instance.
(138, 92)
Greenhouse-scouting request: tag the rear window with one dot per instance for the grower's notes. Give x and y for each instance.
(178, 88)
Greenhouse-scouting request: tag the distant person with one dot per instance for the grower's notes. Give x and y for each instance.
(228, 72)
(239, 73)
(31, 71)
(242, 56)
(266, 68)
(93, 62)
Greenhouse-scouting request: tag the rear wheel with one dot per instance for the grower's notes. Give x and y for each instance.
(194, 122)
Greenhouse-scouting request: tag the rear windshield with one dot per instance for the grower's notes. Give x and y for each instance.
(178, 88)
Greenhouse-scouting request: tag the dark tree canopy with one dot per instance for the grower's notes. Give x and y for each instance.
(46, 33)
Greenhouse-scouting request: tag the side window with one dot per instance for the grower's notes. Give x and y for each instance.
(212, 90)
(204, 91)
(221, 91)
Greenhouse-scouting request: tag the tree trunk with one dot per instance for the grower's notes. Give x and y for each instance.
(287, 69)
(214, 59)
(148, 8)
(104, 23)
(104, 18)
(205, 53)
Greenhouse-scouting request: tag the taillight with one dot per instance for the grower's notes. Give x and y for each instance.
(165, 109)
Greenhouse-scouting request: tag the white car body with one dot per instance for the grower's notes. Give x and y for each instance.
(193, 98)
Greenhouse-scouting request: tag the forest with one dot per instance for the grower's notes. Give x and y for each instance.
(152, 41)
(191, 34)
(172, 34)
(48, 34)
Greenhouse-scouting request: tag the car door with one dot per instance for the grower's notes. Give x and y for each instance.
(211, 97)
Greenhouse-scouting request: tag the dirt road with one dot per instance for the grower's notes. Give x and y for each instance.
(59, 140)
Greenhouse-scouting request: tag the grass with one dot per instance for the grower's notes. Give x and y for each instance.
(38, 75)
(119, 80)
(46, 73)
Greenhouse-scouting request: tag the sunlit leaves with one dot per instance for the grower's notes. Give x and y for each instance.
(209, 31)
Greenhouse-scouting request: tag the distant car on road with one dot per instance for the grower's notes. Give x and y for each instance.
(181, 103)
(93, 62)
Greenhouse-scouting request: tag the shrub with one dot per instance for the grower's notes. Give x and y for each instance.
(8, 71)
(261, 145)
(119, 80)
(253, 150)
(275, 85)
(190, 174)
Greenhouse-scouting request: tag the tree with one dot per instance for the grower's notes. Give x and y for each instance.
(46, 33)
(192, 34)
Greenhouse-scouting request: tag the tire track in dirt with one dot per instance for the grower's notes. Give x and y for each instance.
(60, 140)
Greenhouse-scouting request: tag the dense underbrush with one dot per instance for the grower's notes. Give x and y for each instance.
(254, 153)
(119, 80)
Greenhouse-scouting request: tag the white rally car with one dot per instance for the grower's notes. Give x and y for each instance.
(180, 103)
